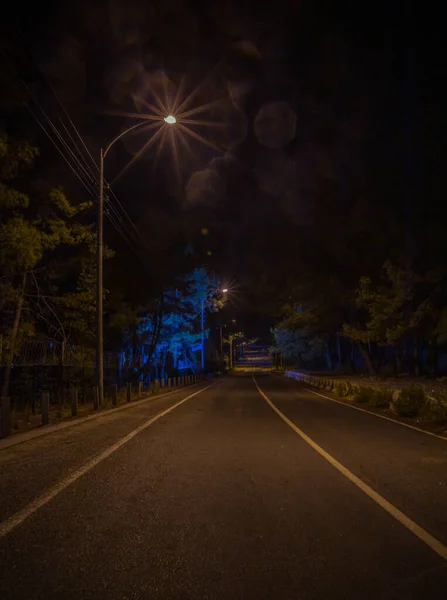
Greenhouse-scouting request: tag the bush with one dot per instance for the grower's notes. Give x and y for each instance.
(341, 389)
(363, 394)
(408, 402)
(381, 397)
(434, 411)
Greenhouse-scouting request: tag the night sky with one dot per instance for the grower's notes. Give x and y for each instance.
(303, 95)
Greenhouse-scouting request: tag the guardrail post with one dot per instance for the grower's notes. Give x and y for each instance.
(74, 402)
(140, 389)
(5, 417)
(157, 385)
(129, 392)
(163, 382)
(114, 394)
(45, 403)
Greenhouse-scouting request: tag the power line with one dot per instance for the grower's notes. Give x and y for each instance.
(120, 220)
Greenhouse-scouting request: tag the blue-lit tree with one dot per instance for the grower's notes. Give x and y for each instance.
(164, 338)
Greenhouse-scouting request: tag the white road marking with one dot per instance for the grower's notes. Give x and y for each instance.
(19, 517)
(440, 437)
(368, 412)
(416, 529)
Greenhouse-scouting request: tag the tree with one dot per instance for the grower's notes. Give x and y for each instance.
(33, 228)
(166, 331)
(403, 307)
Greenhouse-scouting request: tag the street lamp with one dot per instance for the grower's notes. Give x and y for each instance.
(202, 322)
(231, 338)
(171, 120)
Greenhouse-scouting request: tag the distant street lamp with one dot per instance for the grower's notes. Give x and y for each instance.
(202, 322)
(171, 120)
(231, 338)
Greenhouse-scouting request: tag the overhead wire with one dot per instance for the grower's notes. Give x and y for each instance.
(95, 164)
(116, 214)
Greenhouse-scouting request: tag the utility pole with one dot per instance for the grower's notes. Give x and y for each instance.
(171, 120)
(99, 287)
(202, 320)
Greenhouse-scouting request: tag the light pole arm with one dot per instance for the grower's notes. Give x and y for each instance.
(123, 133)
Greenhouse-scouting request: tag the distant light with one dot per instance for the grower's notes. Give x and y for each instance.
(225, 290)
(170, 119)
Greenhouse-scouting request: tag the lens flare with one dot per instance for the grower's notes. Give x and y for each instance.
(170, 115)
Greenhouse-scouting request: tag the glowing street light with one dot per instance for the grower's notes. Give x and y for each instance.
(170, 119)
(202, 322)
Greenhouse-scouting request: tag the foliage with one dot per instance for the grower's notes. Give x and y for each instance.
(435, 410)
(298, 337)
(35, 229)
(363, 394)
(341, 389)
(408, 402)
(402, 302)
(381, 397)
(167, 333)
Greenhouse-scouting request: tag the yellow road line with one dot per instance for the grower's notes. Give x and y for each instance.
(19, 517)
(416, 529)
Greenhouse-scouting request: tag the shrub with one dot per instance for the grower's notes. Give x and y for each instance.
(434, 410)
(408, 402)
(341, 389)
(381, 397)
(350, 389)
(363, 394)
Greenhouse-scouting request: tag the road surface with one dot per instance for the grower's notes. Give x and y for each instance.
(232, 494)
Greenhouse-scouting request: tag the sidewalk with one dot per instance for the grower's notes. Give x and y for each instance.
(21, 437)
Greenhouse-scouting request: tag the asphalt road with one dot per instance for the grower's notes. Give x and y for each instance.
(221, 498)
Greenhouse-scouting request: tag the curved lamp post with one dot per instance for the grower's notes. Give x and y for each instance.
(171, 120)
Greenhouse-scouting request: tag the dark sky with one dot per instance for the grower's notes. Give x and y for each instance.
(308, 92)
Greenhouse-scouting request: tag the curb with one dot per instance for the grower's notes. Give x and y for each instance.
(21, 438)
(368, 412)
